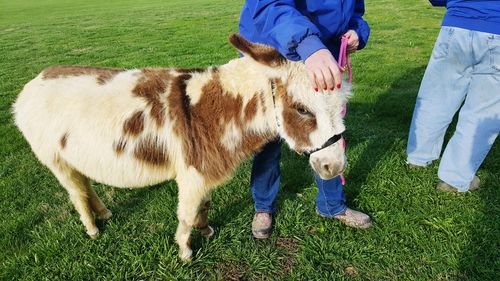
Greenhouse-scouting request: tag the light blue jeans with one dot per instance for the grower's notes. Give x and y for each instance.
(463, 71)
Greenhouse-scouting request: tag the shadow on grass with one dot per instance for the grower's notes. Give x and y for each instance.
(481, 258)
(375, 126)
(130, 202)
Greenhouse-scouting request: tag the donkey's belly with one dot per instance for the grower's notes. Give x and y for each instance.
(110, 168)
(127, 175)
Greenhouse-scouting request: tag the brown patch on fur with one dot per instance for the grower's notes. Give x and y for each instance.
(150, 150)
(103, 74)
(250, 109)
(189, 70)
(119, 146)
(135, 124)
(297, 126)
(151, 86)
(253, 142)
(262, 100)
(201, 128)
(64, 140)
(264, 54)
(182, 100)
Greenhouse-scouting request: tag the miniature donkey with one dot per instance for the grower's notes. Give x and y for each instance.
(140, 127)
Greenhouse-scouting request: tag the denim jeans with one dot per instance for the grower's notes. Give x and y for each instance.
(463, 71)
(265, 182)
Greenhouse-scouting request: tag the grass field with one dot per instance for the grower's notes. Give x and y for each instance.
(418, 233)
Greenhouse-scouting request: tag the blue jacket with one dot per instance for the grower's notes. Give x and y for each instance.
(477, 15)
(301, 27)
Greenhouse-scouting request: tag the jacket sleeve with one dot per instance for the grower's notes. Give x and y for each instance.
(358, 24)
(290, 32)
(438, 2)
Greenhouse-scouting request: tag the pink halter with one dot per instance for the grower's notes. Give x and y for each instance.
(344, 57)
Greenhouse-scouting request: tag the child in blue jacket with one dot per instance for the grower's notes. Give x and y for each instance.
(463, 73)
(310, 31)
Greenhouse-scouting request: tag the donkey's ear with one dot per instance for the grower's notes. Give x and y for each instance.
(261, 53)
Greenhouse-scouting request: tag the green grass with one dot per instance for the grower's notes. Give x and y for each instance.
(418, 234)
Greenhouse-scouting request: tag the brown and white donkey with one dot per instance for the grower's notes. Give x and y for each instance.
(141, 127)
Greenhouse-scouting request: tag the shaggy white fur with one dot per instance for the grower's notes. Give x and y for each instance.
(75, 126)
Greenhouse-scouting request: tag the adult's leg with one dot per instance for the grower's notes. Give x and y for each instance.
(441, 93)
(330, 200)
(479, 119)
(265, 183)
(265, 179)
(331, 204)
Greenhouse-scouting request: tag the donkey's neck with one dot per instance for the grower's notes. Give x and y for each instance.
(230, 118)
(244, 79)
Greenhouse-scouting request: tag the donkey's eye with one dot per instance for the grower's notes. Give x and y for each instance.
(302, 111)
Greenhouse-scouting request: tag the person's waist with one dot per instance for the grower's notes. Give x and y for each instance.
(482, 24)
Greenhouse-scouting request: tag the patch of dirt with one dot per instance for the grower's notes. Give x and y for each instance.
(351, 271)
(287, 264)
(232, 271)
(63, 215)
(156, 227)
(289, 244)
(61, 195)
(109, 194)
(44, 208)
(290, 247)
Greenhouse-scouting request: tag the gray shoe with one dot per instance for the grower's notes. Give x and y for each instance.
(261, 225)
(443, 186)
(351, 218)
(355, 219)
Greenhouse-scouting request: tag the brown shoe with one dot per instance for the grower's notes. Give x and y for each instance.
(261, 225)
(354, 219)
(443, 186)
(416, 167)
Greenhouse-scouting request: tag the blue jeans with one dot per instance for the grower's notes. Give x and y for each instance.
(464, 70)
(265, 182)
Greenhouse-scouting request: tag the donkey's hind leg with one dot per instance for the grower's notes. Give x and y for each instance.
(96, 204)
(78, 188)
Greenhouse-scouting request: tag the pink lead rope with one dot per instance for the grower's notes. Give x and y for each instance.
(344, 62)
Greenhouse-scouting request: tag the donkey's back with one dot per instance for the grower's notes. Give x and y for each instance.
(108, 123)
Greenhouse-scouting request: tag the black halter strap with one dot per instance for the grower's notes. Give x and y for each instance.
(329, 142)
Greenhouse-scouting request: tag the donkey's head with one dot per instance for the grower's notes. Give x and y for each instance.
(310, 122)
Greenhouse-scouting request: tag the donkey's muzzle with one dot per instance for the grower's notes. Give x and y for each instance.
(327, 169)
(329, 162)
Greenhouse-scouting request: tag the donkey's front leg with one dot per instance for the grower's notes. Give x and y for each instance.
(192, 196)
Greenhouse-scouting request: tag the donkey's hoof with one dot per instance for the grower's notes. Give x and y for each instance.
(93, 233)
(104, 214)
(186, 255)
(207, 231)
